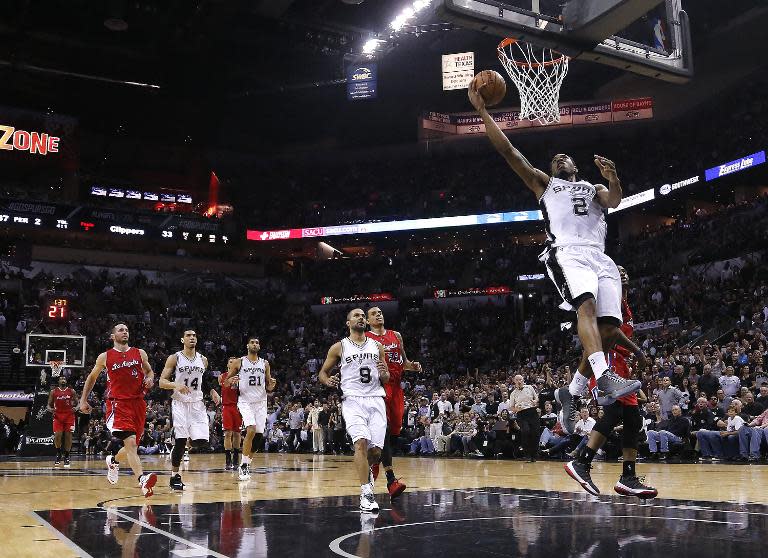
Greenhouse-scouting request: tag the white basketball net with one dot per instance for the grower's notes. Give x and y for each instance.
(538, 74)
(56, 367)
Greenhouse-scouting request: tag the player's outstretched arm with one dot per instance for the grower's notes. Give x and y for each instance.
(611, 196)
(535, 179)
(233, 367)
(333, 358)
(50, 401)
(90, 381)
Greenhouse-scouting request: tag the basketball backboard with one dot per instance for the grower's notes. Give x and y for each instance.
(648, 37)
(43, 348)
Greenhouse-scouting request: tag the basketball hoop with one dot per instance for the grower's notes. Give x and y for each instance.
(538, 73)
(56, 367)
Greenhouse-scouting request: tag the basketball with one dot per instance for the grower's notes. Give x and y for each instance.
(495, 86)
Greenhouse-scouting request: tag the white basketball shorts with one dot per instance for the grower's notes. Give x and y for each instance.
(366, 418)
(189, 420)
(254, 413)
(578, 271)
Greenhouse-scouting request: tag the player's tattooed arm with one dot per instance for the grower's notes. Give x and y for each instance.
(50, 401)
(233, 367)
(382, 364)
(149, 375)
(331, 360)
(409, 364)
(215, 397)
(90, 381)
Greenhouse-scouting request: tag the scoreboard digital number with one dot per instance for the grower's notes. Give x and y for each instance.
(58, 309)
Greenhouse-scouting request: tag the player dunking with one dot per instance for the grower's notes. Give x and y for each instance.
(363, 374)
(394, 399)
(255, 380)
(231, 420)
(62, 402)
(128, 376)
(190, 382)
(622, 411)
(586, 278)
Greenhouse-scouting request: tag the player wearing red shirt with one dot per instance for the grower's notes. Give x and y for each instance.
(394, 399)
(129, 377)
(623, 411)
(61, 402)
(231, 421)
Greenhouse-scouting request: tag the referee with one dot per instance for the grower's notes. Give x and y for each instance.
(524, 402)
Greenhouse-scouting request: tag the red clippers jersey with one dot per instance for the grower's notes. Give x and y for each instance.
(229, 394)
(125, 378)
(62, 401)
(394, 353)
(617, 357)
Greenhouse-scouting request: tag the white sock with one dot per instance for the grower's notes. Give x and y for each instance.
(366, 488)
(245, 460)
(598, 363)
(578, 384)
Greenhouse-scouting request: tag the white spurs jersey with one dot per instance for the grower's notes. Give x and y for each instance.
(572, 214)
(252, 380)
(359, 373)
(190, 373)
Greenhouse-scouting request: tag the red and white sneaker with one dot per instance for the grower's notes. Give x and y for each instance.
(635, 486)
(147, 482)
(395, 488)
(113, 470)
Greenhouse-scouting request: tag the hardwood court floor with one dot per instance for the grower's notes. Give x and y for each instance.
(34, 486)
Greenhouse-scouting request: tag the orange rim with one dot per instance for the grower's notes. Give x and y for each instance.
(510, 41)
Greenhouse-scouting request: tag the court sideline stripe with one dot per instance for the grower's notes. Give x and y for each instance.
(166, 533)
(335, 545)
(60, 536)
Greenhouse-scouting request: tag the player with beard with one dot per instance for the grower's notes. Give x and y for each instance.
(254, 381)
(129, 377)
(586, 278)
(362, 378)
(394, 399)
(624, 411)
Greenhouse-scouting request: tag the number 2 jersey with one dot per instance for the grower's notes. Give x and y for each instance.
(359, 373)
(191, 373)
(253, 380)
(572, 214)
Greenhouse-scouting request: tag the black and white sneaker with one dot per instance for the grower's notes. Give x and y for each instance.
(633, 486)
(368, 503)
(57, 463)
(580, 473)
(611, 386)
(176, 483)
(569, 409)
(67, 463)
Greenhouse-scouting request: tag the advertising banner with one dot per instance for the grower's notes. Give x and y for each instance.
(361, 82)
(458, 70)
(746, 162)
(632, 109)
(376, 297)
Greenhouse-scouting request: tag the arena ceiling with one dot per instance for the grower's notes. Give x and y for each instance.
(235, 73)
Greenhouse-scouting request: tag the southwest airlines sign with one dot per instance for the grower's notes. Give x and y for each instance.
(392, 226)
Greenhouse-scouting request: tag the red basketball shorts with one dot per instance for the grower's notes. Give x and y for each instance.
(231, 419)
(394, 401)
(126, 415)
(64, 422)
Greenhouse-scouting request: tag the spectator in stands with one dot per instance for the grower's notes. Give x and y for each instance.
(762, 398)
(669, 396)
(295, 421)
(729, 383)
(751, 436)
(722, 443)
(583, 428)
(675, 430)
